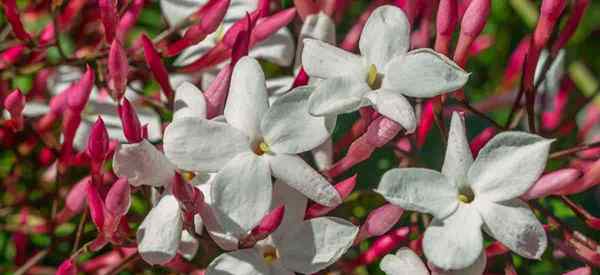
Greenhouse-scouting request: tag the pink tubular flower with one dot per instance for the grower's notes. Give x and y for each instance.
(132, 128)
(80, 93)
(344, 189)
(579, 8)
(471, 26)
(108, 14)
(268, 224)
(481, 139)
(383, 245)
(586, 270)
(14, 103)
(67, 267)
(97, 146)
(118, 68)
(190, 198)
(157, 67)
(129, 18)
(96, 205)
(425, 123)
(118, 198)
(12, 16)
(11, 56)
(552, 183)
(446, 19)
(515, 63)
(75, 201)
(380, 221)
(359, 151)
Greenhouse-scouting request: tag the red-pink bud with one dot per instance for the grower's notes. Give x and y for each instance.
(446, 19)
(47, 35)
(118, 68)
(12, 16)
(306, 8)
(579, 8)
(96, 205)
(591, 177)
(67, 267)
(381, 220)
(344, 189)
(69, 12)
(301, 78)
(216, 94)
(515, 63)
(80, 92)
(241, 46)
(108, 14)
(157, 67)
(14, 104)
(11, 55)
(472, 24)
(191, 199)
(269, 223)
(552, 183)
(384, 245)
(132, 128)
(425, 123)
(46, 156)
(381, 131)
(129, 18)
(118, 198)
(359, 151)
(75, 200)
(97, 146)
(267, 26)
(481, 139)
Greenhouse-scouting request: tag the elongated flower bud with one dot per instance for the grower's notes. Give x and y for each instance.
(191, 199)
(108, 14)
(383, 245)
(578, 10)
(14, 104)
(306, 8)
(129, 18)
(75, 200)
(67, 267)
(12, 16)
(472, 24)
(130, 122)
(96, 205)
(481, 139)
(515, 63)
(118, 68)
(552, 183)
(344, 189)
(446, 19)
(267, 26)
(591, 177)
(97, 146)
(382, 130)
(380, 221)
(269, 223)
(118, 198)
(216, 94)
(80, 93)
(157, 67)
(11, 55)
(359, 151)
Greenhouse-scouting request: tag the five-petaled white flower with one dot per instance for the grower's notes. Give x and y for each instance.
(255, 143)
(298, 245)
(469, 194)
(385, 67)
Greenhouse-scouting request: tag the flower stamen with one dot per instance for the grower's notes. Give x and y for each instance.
(373, 78)
(270, 254)
(262, 148)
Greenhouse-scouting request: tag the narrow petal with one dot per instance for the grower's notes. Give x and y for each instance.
(508, 165)
(338, 95)
(404, 262)
(385, 35)
(289, 128)
(142, 164)
(300, 176)
(419, 189)
(315, 244)
(189, 102)
(423, 73)
(159, 234)
(475, 269)
(247, 100)
(316, 26)
(456, 241)
(241, 193)
(202, 145)
(523, 234)
(295, 206)
(324, 60)
(241, 262)
(458, 157)
(394, 106)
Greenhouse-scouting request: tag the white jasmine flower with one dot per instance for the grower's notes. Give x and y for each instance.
(385, 67)
(159, 234)
(296, 246)
(316, 26)
(257, 142)
(469, 194)
(406, 262)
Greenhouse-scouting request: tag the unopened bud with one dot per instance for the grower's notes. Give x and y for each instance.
(132, 128)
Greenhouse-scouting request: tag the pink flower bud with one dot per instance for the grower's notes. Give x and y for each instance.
(67, 267)
(46, 156)
(380, 221)
(381, 131)
(216, 94)
(359, 151)
(129, 120)
(108, 14)
(80, 93)
(269, 223)
(75, 201)
(69, 12)
(118, 198)
(14, 104)
(156, 66)
(552, 183)
(591, 177)
(481, 139)
(241, 47)
(425, 123)
(191, 199)
(11, 55)
(344, 189)
(97, 145)
(447, 16)
(118, 68)
(350, 42)
(47, 35)
(129, 18)
(96, 205)
(306, 8)
(515, 63)
(70, 123)
(579, 8)
(267, 26)
(301, 78)
(384, 245)
(472, 24)
(12, 16)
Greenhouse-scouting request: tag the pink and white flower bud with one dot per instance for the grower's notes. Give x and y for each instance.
(75, 201)
(132, 128)
(481, 139)
(591, 177)
(383, 130)
(344, 189)
(380, 221)
(359, 151)
(12, 16)
(446, 19)
(118, 68)
(14, 103)
(552, 183)
(472, 24)
(118, 198)
(79, 94)
(216, 94)
(109, 16)
(191, 199)
(97, 146)
(11, 55)
(96, 205)
(157, 67)
(67, 267)
(269, 223)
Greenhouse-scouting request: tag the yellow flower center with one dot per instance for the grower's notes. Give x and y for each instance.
(187, 175)
(372, 77)
(262, 148)
(466, 195)
(220, 33)
(270, 254)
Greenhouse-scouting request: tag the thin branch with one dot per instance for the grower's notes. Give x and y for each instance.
(574, 150)
(31, 262)
(480, 114)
